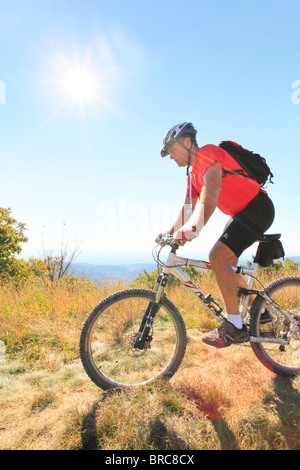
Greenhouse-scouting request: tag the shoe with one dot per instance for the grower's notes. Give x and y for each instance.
(265, 317)
(226, 335)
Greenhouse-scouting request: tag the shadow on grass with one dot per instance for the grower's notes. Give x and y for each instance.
(89, 435)
(285, 401)
(164, 439)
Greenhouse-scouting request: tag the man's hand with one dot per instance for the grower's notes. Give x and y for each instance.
(185, 235)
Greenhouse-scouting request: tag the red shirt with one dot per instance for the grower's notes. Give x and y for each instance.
(237, 191)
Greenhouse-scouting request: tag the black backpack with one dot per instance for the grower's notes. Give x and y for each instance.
(254, 166)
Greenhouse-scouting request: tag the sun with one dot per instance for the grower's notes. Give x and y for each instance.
(84, 84)
(78, 84)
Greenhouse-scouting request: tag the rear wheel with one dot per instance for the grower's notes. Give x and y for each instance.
(108, 343)
(283, 359)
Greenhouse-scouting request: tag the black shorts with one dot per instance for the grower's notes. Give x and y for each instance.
(250, 224)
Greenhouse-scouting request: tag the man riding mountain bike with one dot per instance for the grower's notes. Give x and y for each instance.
(215, 181)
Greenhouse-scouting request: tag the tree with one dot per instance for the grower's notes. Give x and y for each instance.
(60, 264)
(11, 238)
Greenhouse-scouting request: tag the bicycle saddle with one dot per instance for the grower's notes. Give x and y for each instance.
(269, 237)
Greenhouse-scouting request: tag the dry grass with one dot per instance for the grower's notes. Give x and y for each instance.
(219, 399)
(44, 317)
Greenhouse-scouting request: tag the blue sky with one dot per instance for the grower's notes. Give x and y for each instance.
(89, 171)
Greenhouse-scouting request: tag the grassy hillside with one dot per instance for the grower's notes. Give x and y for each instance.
(219, 399)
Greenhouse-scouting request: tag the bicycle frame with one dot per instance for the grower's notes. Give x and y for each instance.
(172, 266)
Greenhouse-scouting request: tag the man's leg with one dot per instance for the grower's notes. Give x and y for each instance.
(219, 255)
(222, 258)
(232, 330)
(242, 231)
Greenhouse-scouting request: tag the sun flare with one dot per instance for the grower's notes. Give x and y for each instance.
(87, 84)
(78, 84)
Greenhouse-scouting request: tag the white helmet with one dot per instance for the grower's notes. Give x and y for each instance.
(185, 129)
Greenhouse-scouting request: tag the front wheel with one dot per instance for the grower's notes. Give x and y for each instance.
(279, 350)
(108, 342)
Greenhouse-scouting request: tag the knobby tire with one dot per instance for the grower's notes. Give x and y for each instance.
(282, 360)
(106, 350)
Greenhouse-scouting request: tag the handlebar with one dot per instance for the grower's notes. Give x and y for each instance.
(166, 239)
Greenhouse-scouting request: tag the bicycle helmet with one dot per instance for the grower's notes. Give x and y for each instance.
(185, 129)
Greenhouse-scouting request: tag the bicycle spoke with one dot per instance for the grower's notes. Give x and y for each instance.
(285, 326)
(112, 343)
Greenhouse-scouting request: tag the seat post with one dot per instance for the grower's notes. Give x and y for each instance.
(251, 272)
(256, 257)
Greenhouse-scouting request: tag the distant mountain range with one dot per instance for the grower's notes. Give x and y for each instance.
(110, 272)
(125, 272)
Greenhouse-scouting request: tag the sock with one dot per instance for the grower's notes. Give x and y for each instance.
(262, 311)
(236, 320)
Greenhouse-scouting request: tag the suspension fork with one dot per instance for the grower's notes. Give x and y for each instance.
(151, 310)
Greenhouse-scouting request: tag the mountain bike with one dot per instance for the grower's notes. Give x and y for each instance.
(136, 336)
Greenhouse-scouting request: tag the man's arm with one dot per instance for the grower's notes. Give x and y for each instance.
(209, 195)
(184, 215)
(208, 202)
